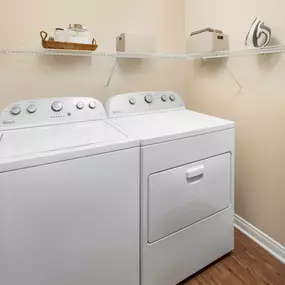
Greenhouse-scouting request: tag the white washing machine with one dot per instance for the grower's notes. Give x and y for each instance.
(187, 184)
(69, 196)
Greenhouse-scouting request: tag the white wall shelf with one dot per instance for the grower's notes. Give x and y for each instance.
(211, 55)
(56, 52)
(244, 52)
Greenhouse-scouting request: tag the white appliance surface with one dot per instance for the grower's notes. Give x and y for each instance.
(161, 127)
(187, 166)
(186, 194)
(48, 138)
(159, 120)
(51, 111)
(69, 207)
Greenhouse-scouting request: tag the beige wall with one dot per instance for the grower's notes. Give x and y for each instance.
(258, 108)
(24, 77)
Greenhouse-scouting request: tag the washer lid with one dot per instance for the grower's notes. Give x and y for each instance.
(164, 126)
(60, 138)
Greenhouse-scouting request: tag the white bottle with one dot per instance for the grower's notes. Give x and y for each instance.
(59, 35)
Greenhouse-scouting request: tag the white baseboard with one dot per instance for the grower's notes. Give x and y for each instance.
(269, 244)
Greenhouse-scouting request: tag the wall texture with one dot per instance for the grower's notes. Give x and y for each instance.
(24, 77)
(250, 91)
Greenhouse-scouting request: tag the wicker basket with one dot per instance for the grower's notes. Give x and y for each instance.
(51, 44)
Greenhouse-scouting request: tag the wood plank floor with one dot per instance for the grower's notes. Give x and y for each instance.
(249, 264)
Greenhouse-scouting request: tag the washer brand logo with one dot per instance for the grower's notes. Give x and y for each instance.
(8, 122)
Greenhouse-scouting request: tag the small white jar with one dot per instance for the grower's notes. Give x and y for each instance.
(59, 35)
(77, 33)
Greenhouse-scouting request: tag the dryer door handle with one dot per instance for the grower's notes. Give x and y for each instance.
(195, 174)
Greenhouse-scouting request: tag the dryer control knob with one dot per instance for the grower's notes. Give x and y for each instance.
(148, 98)
(164, 98)
(132, 101)
(172, 97)
(31, 109)
(15, 110)
(92, 105)
(80, 105)
(56, 106)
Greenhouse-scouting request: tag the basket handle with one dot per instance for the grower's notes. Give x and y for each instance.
(94, 43)
(43, 35)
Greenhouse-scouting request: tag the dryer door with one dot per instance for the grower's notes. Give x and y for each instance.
(187, 194)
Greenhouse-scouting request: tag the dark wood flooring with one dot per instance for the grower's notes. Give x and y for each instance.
(248, 264)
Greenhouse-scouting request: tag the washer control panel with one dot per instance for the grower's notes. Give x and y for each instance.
(52, 110)
(142, 102)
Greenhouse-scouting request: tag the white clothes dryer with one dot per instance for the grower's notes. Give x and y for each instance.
(69, 195)
(187, 184)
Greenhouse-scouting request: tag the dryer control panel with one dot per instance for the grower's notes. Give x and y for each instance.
(143, 102)
(52, 110)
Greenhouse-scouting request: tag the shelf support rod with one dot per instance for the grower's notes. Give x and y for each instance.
(112, 72)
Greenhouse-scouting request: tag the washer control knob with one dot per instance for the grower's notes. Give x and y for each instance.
(92, 105)
(15, 110)
(132, 101)
(172, 97)
(80, 105)
(56, 106)
(148, 98)
(164, 98)
(31, 109)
